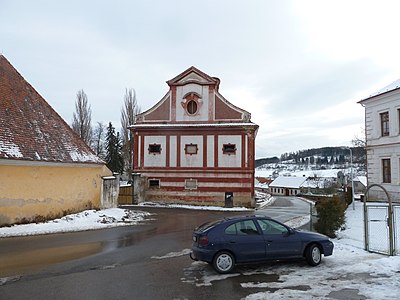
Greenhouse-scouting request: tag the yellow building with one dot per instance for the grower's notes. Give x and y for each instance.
(46, 170)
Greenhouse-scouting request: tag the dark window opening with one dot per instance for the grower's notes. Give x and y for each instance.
(385, 123)
(191, 107)
(386, 172)
(155, 149)
(154, 183)
(229, 149)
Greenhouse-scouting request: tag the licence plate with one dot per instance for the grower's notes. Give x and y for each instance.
(194, 238)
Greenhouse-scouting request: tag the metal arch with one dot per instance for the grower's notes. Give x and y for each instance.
(390, 219)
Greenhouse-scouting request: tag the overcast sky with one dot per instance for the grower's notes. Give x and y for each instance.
(299, 67)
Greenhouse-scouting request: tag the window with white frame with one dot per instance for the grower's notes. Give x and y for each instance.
(191, 149)
(190, 184)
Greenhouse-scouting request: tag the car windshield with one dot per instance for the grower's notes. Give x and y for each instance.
(206, 226)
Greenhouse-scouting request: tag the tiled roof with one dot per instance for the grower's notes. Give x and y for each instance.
(30, 129)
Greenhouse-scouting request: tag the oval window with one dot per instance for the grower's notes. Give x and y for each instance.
(191, 107)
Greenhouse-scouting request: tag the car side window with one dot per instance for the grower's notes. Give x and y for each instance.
(231, 229)
(246, 227)
(272, 227)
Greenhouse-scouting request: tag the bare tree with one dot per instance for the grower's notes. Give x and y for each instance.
(98, 140)
(81, 123)
(128, 117)
(358, 141)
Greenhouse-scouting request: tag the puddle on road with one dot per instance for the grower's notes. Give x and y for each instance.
(127, 240)
(21, 263)
(18, 263)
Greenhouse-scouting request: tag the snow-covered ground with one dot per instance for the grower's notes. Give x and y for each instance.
(350, 270)
(86, 220)
(100, 219)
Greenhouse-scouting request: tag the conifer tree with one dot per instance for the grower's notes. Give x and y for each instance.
(114, 159)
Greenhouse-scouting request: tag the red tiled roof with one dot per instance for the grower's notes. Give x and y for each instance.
(30, 129)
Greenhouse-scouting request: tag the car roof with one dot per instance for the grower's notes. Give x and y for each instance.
(235, 218)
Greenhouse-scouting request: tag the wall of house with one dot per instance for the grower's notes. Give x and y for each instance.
(282, 191)
(383, 147)
(209, 153)
(212, 172)
(44, 191)
(202, 114)
(375, 172)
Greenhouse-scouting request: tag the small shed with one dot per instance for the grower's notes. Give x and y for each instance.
(360, 184)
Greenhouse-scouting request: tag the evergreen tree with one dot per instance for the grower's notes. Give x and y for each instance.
(114, 159)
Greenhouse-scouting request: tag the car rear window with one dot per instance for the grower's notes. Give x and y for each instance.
(207, 226)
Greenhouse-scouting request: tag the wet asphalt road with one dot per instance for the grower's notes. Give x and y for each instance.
(148, 261)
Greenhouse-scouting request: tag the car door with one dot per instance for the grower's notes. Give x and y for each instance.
(245, 240)
(280, 241)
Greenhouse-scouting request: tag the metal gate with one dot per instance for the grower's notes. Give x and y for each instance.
(381, 225)
(378, 229)
(396, 221)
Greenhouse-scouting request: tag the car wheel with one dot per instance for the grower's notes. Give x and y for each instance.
(223, 262)
(313, 255)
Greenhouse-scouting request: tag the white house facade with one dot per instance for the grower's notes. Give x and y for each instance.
(194, 146)
(382, 129)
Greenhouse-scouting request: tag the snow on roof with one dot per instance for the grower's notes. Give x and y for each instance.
(393, 86)
(288, 182)
(362, 179)
(149, 125)
(30, 129)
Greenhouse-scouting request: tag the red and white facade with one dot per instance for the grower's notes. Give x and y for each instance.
(194, 146)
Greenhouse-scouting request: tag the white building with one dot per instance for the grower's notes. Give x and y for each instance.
(382, 129)
(286, 185)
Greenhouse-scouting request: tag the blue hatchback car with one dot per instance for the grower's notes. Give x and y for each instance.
(248, 239)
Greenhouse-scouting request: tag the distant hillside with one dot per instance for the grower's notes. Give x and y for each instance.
(319, 157)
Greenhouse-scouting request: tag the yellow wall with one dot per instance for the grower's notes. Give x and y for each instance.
(29, 193)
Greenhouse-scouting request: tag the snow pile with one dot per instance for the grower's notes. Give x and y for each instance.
(185, 206)
(86, 220)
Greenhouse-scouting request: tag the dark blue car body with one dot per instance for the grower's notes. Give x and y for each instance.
(250, 239)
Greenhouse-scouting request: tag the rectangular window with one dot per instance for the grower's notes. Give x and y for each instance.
(191, 184)
(398, 116)
(154, 149)
(386, 172)
(154, 183)
(229, 149)
(191, 149)
(385, 123)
